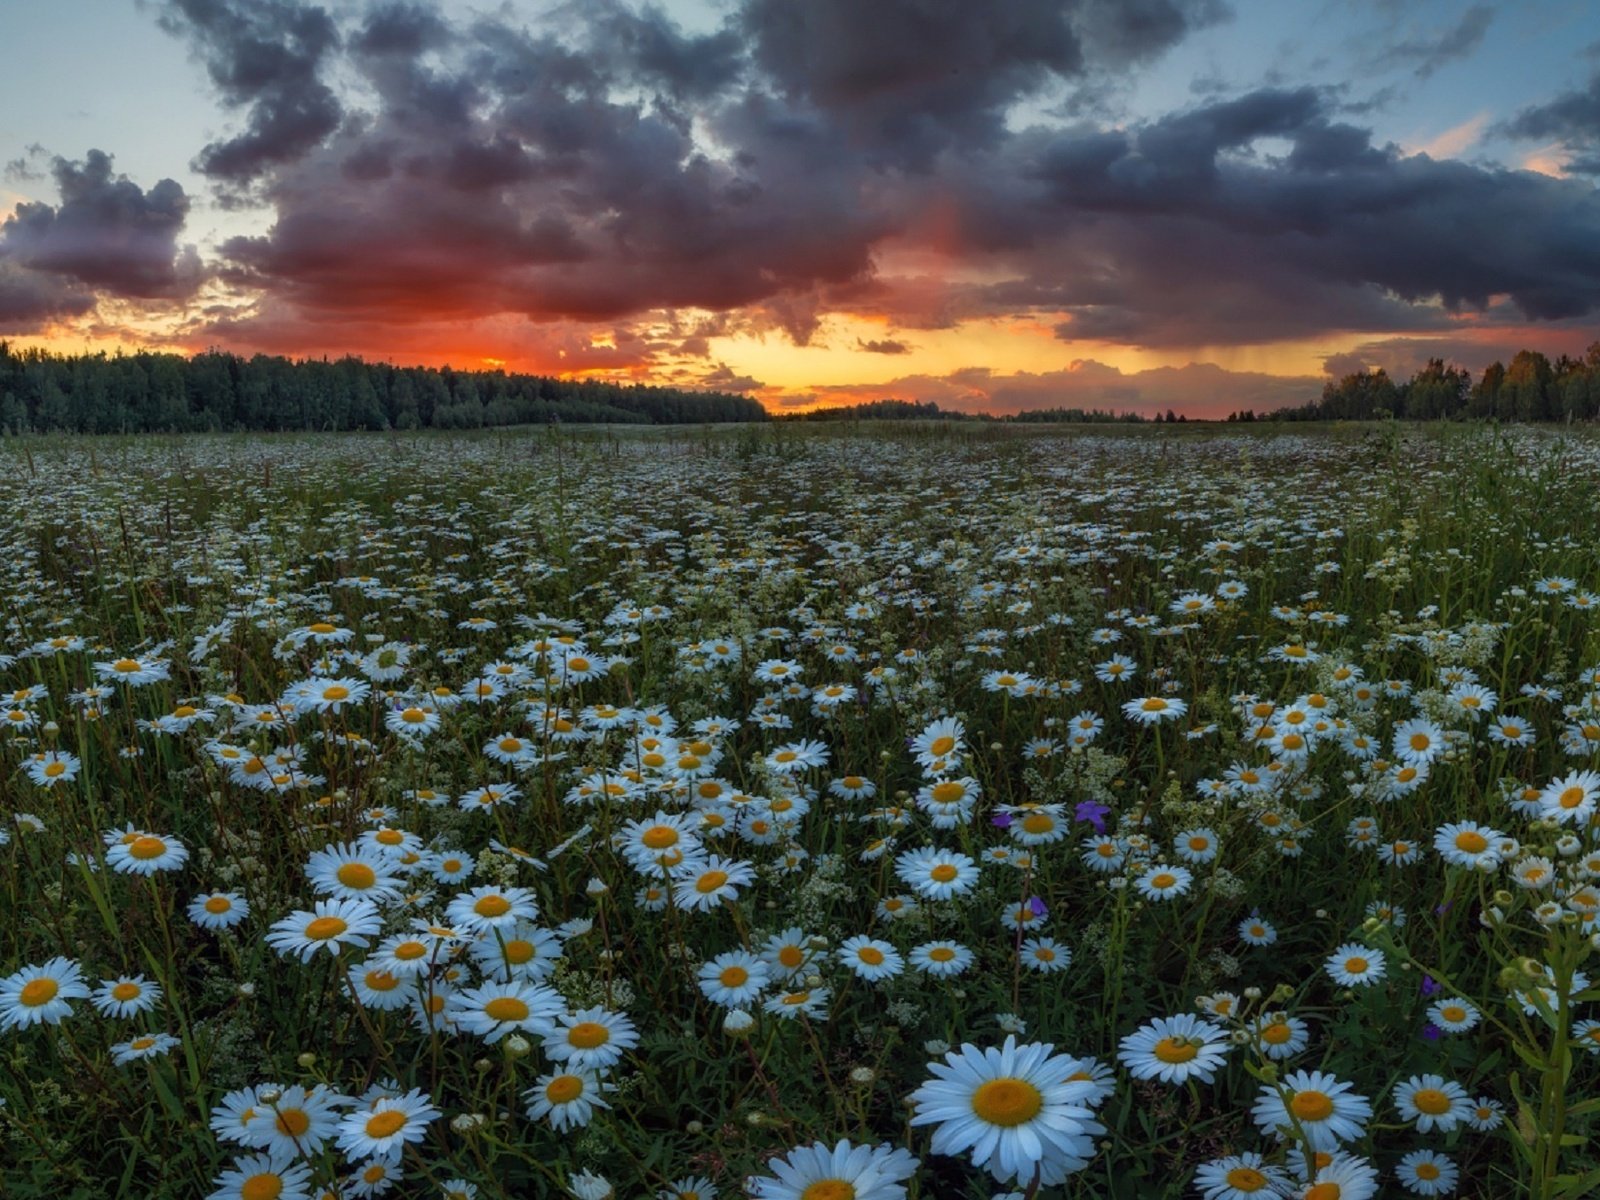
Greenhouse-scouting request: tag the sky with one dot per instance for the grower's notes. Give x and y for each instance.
(1202, 205)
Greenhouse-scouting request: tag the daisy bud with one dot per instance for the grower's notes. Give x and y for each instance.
(1490, 917)
(269, 1095)
(863, 1075)
(482, 1065)
(813, 980)
(936, 1048)
(246, 989)
(1531, 967)
(1322, 914)
(1502, 897)
(51, 728)
(308, 1059)
(597, 887)
(1281, 993)
(755, 1120)
(1252, 993)
(737, 1023)
(467, 1122)
(518, 1046)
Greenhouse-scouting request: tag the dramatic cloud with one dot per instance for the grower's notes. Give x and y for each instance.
(107, 235)
(1181, 232)
(263, 56)
(1571, 119)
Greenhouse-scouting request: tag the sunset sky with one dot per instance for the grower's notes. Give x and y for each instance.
(995, 204)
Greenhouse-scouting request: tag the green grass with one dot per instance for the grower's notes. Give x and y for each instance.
(1425, 544)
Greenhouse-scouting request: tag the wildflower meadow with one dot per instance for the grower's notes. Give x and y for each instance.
(825, 813)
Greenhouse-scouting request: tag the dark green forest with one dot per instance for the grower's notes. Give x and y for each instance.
(1532, 388)
(168, 393)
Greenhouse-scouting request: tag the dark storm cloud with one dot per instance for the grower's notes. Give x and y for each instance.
(1425, 55)
(608, 164)
(1182, 233)
(906, 79)
(650, 47)
(107, 234)
(1572, 118)
(30, 300)
(264, 56)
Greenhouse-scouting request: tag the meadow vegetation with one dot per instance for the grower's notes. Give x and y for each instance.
(831, 812)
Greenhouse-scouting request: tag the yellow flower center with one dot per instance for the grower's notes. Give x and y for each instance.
(1311, 1105)
(1153, 704)
(217, 905)
(336, 692)
(659, 837)
(321, 627)
(381, 981)
(563, 1089)
(1175, 1050)
(1471, 841)
(1453, 1012)
(941, 746)
(942, 954)
(1431, 1101)
(829, 1189)
(146, 848)
(1037, 823)
(385, 1124)
(1356, 965)
(1324, 1191)
(1572, 797)
(356, 875)
(323, 928)
(492, 906)
(948, 792)
(870, 955)
(1277, 1034)
(1007, 1102)
(943, 873)
(1427, 1170)
(56, 769)
(1163, 880)
(733, 977)
(710, 882)
(38, 991)
(1420, 741)
(293, 1122)
(126, 991)
(126, 666)
(506, 1008)
(791, 957)
(266, 1186)
(587, 1035)
(1246, 1179)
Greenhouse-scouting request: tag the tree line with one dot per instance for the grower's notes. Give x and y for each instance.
(1531, 388)
(149, 392)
